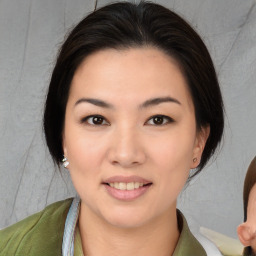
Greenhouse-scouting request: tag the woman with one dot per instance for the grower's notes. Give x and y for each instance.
(133, 105)
(247, 230)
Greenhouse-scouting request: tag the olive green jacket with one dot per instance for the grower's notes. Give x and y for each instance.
(41, 235)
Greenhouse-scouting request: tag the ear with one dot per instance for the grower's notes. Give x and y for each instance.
(245, 235)
(201, 139)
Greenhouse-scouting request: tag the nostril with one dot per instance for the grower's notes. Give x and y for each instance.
(126, 156)
(125, 161)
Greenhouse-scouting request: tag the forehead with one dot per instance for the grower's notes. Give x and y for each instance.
(135, 73)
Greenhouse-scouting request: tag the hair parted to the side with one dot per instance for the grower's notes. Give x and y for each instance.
(249, 182)
(126, 25)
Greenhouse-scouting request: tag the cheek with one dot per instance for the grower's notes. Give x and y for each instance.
(172, 158)
(174, 151)
(85, 161)
(84, 152)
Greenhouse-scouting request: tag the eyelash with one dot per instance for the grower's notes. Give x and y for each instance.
(166, 118)
(85, 120)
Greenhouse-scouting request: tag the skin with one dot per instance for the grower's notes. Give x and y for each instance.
(127, 142)
(247, 230)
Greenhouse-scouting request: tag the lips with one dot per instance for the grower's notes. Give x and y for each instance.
(126, 179)
(126, 188)
(126, 183)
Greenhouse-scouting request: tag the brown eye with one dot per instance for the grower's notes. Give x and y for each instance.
(95, 120)
(159, 120)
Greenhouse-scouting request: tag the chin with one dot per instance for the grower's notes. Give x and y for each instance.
(126, 220)
(126, 224)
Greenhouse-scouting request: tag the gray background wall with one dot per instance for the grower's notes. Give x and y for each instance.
(30, 33)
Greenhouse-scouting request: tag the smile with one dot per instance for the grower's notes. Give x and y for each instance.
(126, 186)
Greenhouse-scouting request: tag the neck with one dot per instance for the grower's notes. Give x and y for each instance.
(157, 238)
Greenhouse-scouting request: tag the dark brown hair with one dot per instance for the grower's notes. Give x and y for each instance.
(249, 182)
(126, 25)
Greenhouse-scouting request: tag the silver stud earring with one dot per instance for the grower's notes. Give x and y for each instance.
(65, 162)
(194, 160)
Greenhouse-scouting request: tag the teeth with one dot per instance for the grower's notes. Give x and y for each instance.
(126, 186)
(122, 186)
(137, 185)
(130, 186)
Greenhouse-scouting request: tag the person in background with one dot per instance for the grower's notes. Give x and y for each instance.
(247, 230)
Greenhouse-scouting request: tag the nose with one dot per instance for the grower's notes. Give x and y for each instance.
(126, 149)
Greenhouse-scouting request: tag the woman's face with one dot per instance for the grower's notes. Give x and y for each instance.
(130, 135)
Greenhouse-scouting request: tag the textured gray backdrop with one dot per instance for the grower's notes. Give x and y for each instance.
(30, 33)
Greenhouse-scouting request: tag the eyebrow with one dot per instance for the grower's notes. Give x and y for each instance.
(96, 102)
(159, 100)
(147, 103)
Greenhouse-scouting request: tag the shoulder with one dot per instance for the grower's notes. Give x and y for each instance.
(187, 244)
(38, 234)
